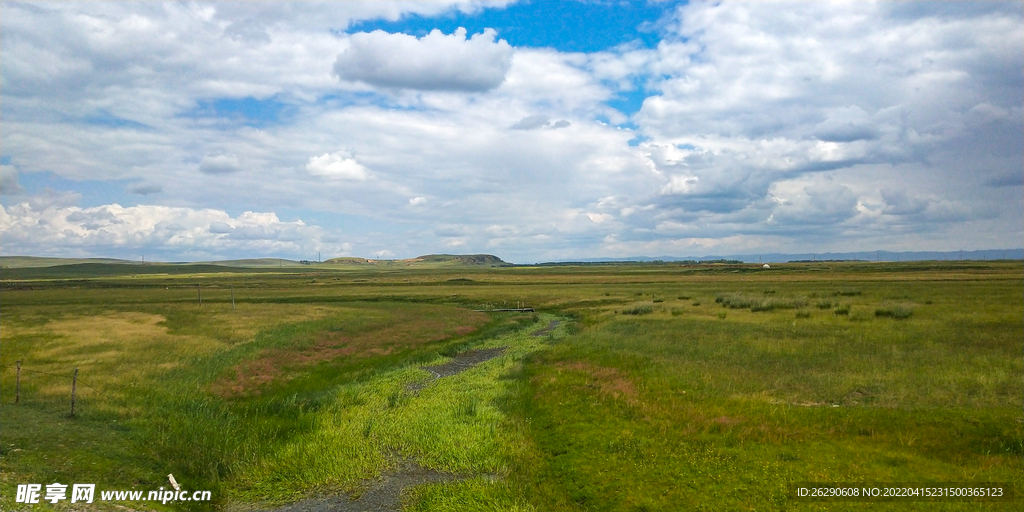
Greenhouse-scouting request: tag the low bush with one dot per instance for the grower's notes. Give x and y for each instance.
(639, 310)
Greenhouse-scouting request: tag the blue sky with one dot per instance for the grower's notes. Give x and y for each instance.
(530, 130)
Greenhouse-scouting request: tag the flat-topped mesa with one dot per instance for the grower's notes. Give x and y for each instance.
(455, 260)
(462, 259)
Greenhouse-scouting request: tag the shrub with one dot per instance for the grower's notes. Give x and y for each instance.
(803, 314)
(841, 310)
(696, 303)
(825, 304)
(677, 311)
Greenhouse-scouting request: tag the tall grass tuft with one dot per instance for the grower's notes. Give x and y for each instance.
(638, 310)
(897, 311)
(759, 303)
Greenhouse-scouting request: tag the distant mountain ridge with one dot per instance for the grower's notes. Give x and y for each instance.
(774, 257)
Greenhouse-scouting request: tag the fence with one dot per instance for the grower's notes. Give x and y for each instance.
(67, 395)
(63, 393)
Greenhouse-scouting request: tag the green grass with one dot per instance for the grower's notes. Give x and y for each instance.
(724, 414)
(914, 376)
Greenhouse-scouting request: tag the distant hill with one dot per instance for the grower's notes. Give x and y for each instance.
(89, 270)
(429, 260)
(37, 261)
(348, 261)
(461, 259)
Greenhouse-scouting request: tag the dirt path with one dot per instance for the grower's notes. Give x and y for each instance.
(543, 332)
(382, 495)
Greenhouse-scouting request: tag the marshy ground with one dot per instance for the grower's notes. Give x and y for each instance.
(639, 387)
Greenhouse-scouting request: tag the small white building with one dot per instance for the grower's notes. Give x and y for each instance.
(766, 266)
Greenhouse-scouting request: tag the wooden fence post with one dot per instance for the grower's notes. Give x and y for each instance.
(200, 290)
(232, 298)
(74, 383)
(17, 385)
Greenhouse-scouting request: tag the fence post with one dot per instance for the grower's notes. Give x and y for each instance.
(232, 298)
(74, 382)
(17, 384)
(200, 290)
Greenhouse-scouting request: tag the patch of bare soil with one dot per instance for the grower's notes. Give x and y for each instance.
(381, 495)
(464, 361)
(609, 382)
(250, 376)
(458, 364)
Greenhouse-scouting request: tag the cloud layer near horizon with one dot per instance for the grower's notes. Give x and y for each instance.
(813, 127)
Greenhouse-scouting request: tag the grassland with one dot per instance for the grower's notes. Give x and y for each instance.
(663, 387)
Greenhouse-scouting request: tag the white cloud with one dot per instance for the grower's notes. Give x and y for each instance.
(434, 62)
(219, 164)
(756, 112)
(70, 230)
(530, 122)
(338, 165)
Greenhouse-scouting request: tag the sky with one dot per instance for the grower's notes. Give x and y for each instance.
(534, 131)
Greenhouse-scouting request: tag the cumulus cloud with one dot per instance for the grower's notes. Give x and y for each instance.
(63, 229)
(754, 113)
(339, 165)
(219, 164)
(817, 204)
(434, 62)
(916, 208)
